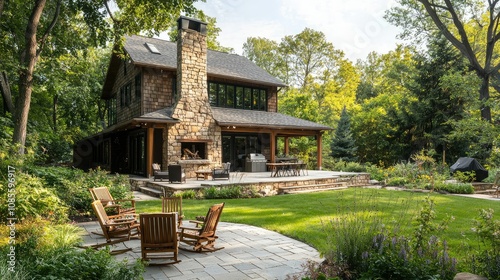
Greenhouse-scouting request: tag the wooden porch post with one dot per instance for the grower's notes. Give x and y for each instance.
(149, 152)
(319, 145)
(287, 145)
(273, 146)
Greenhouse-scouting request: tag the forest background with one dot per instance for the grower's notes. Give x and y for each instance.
(438, 92)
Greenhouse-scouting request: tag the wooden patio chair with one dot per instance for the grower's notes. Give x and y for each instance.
(116, 228)
(159, 237)
(158, 174)
(202, 237)
(173, 205)
(223, 172)
(103, 194)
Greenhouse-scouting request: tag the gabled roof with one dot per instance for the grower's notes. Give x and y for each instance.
(219, 64)
(251, 118)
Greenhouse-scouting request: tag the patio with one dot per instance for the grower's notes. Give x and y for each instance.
(263, 182)
(271, 256)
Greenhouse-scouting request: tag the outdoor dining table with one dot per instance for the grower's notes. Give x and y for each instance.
(279, 169)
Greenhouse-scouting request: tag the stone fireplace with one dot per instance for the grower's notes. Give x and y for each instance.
(194, 150)
(197, 130)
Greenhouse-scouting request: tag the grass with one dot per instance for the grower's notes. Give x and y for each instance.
(304, 216)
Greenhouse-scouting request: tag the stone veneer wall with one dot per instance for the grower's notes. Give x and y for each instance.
(193, 108)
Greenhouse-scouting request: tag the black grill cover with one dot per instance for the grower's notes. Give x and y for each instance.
(464, 164)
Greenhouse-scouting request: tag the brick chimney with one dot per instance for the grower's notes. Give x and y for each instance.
(192, 106)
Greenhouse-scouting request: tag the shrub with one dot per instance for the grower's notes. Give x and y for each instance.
(464, 176)
(31, 200)
(230, 191)
(46, 251)
(397, 181)
(362, 247)
(376, 173)
(486, 262)
(460, 188)
(187, 194)
(72, 185)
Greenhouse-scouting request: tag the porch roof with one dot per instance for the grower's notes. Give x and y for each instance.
(240, 118)
(251, 118)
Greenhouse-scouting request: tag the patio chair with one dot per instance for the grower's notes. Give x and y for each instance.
(173, 205)
(158, 174)
(222, 173)
(121, 206)
(176, 174)
(115, 229)
(202, 236)
(159, 237)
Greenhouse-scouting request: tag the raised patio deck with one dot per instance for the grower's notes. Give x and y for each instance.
(314, 180)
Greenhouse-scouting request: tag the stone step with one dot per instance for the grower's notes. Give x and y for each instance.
(315, 190)
(312, 187)
(151, 191)
(155, 186)
(486, 191)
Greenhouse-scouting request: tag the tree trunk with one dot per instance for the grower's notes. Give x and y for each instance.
(484, 95)
(8, 105)
(54, 112)
(28, 61)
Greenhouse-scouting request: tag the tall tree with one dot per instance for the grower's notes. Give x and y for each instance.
(307, 55)
(464, 23)
(437, 105)
(382, 135)
(267, 54)
(343, 146)
(44, 26)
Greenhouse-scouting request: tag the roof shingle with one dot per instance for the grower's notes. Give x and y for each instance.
(218, 63)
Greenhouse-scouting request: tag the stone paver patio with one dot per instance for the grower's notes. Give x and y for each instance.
(249, 253)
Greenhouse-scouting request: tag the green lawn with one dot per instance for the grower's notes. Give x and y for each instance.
(305, 216)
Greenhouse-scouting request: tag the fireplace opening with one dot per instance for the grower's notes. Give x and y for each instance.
(194, 150)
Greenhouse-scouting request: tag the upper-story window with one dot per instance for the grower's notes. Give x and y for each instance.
(138, 86)
(111, 110)
(234, 96)
(125, 95)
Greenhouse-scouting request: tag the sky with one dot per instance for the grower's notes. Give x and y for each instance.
(355, 27)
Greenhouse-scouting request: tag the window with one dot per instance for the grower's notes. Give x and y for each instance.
(111, 104)
(125, 95)
(138, 86)
(239, 98)
(247, 103)
(232, 96)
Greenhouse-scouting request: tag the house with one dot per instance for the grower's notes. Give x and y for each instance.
(177, 102)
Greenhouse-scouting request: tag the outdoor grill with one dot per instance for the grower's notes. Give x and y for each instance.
(255, 163)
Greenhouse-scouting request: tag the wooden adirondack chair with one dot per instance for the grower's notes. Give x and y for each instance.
(159, 237)
(173, 205)
(103, 194)
(117, 228)
(202, 237)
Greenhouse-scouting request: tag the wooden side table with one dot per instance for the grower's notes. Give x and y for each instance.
(203, 174)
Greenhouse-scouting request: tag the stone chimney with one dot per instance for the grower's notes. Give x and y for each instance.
(192, 106)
